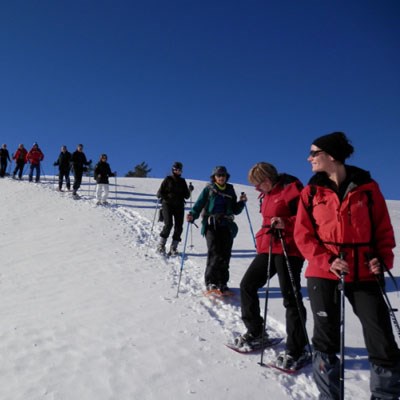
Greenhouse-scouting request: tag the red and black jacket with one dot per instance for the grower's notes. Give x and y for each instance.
(354, 220)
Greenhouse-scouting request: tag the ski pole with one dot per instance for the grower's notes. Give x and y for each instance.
(191, 226)
(342, 337)
(386, 297)
(267, 291)
(389, 306)
(251, 226)
(43, 173)
(152, 225)
(115, 188)
(295, 289)
(54, 178)
(182, 259)
(90, 184)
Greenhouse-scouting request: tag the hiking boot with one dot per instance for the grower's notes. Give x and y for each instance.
(211, 287)
(292, 362)
(161, 249)
(251, 341)
(223, 288)
(173, 250)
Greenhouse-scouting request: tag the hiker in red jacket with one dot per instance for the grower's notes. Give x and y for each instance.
(20, 161)
(279, 196)
(34, 157)
(343, 227)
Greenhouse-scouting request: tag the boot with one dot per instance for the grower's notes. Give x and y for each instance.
(161, 245)
(385, 381)
(326, 371)
(173, 250)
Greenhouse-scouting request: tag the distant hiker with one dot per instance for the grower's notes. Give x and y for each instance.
(343, 227)
(64, 168)
(217, 204)
(4, 158)
(79, 166)
(102, 171)
(279, 197)
(34, 157)
(172, 194)
(20, 161)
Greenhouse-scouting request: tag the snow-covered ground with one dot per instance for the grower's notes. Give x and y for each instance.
(89, 311)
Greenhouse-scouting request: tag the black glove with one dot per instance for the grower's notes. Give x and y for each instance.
(55, 164)
(191, 187)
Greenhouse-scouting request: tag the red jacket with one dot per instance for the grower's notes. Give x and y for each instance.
(34, 156)
(359, 226)
(20, 154)
(281, 202)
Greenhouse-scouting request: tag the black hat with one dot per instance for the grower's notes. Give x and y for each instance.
(177, 165)
(220, 170)
(336, 145)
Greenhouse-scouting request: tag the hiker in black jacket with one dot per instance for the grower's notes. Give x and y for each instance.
(79, 165)
(4, 158)
(172, 193)
(64, 168)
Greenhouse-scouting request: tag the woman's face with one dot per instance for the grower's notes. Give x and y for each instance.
(220, 179)
(320, 160)
(265, 186)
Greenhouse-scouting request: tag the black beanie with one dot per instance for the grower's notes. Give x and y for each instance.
(177, 165)
(336, 145)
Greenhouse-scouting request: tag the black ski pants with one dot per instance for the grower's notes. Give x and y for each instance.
(19, 168)
(219, 244)
(64, 173)
(3, 167)
(369, 306)
(255, 278)
(77, 178)
(173, 215)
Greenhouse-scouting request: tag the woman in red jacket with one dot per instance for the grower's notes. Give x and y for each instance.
(279, 199)
(343, 226)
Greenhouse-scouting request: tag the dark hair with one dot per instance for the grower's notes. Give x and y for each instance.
(336, 144)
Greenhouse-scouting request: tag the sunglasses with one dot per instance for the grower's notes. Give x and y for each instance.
(220, 175)
(314, 153)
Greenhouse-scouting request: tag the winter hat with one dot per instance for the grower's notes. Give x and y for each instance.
(220, 170)
(336, 145)
(177, 165)
(35, 144)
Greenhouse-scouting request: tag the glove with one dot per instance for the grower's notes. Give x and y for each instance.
(54, 163)
(191, 187)
(189, 218)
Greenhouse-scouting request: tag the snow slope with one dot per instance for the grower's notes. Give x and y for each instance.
(89, 311)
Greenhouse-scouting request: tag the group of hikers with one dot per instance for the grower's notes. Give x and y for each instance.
(339, 223)
(66, 162)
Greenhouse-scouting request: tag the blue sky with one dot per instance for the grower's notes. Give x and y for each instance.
(203, 82)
